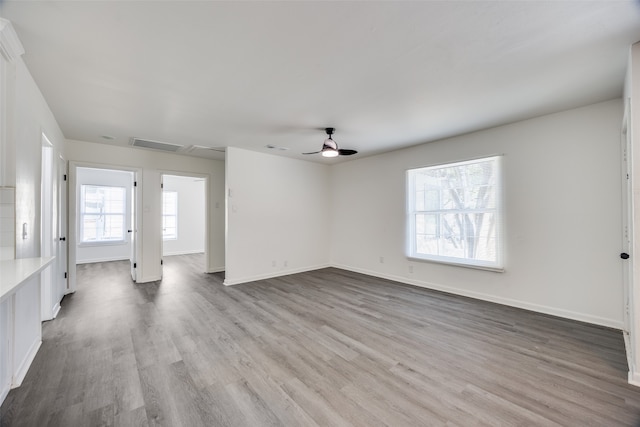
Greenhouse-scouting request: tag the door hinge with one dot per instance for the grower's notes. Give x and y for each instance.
(135, 183)
(161, 185)
(64, 176)
(65, 274)
(134, 265)
(161, 263)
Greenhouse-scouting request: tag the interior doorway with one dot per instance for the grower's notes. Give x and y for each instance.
(184, 219)
(103, 220)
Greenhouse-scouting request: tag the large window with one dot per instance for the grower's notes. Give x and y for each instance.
(169, 215)
(102, 216)
(454, 213)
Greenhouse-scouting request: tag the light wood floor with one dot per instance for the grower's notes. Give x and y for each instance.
(329, 348)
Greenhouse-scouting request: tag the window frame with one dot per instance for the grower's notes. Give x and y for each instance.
(82, 213)
(164, 215)
(411, 212)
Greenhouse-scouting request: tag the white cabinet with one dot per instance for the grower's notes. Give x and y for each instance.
(20, 320)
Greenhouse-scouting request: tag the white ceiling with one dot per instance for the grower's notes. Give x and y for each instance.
(384, 74)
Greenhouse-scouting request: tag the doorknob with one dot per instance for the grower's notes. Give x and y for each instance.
(129, 231)
(624, 255)
(63, 239)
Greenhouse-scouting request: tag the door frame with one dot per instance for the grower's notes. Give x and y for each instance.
(73, 217)
(49, 308)
(627, 219)
(207, 210)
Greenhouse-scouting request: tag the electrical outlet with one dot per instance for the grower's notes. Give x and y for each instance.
(273, 263)
(411, 269)
(286, 263)
(381, 260)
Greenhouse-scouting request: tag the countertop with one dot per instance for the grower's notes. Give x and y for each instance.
(14, 272)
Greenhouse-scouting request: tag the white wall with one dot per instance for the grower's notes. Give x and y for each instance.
(153, 165)
(24, 117)
(86, 253)
(191, 215)
(32, 118)
(7, 222)
(563, 215)
(277, 213)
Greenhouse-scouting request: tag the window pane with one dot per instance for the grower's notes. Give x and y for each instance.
(89, 228)
(169, 221)
(452, 229)
(419, 200)
(169, 215)
(113, 227)
(102, 213)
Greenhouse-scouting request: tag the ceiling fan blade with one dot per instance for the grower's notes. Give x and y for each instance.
(345, 152)
(315, 152)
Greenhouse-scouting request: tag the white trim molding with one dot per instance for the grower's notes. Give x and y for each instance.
(10, 46)
(21, 371)
(228, 282)
(553, 311)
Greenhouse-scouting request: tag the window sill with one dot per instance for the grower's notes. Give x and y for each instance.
(455, 263)
(97, 244)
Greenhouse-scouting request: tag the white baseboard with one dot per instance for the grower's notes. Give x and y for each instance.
(183, 253)
(56, 310)
(4, 392)
(216, 269)
(91, 261)
(634, 378)
(279, 273)
(148, 279)
(627, 347)
(21, 372)
(554, 311)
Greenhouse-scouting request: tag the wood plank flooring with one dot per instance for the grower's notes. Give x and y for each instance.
(324, 348)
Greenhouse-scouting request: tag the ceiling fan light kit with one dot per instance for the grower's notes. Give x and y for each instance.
(330, 152)
(330, 147)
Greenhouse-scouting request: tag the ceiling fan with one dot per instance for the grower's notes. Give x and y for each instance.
(330, 148)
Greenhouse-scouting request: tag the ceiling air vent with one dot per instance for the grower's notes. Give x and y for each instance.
(193, 148)
(155, 145)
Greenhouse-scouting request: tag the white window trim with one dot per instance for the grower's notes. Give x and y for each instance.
(499, 264)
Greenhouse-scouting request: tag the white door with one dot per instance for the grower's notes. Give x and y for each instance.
(133, 226)
(162, 221)
(63, 281)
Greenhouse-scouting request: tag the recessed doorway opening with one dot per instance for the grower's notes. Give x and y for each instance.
(184, 219)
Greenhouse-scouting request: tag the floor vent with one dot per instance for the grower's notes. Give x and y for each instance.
(155, 145)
